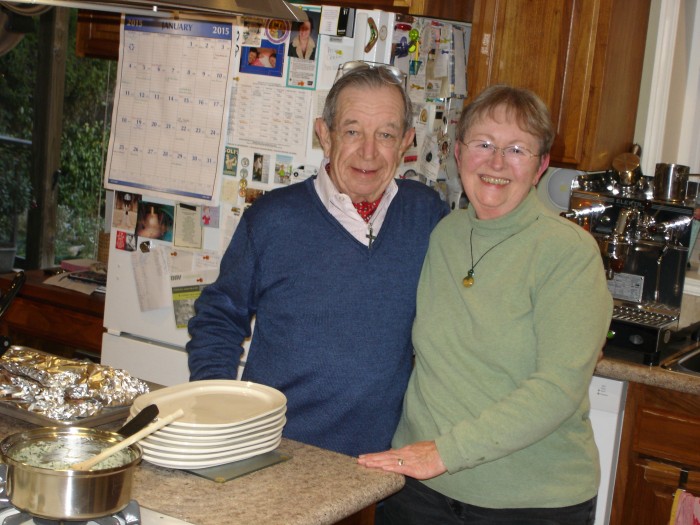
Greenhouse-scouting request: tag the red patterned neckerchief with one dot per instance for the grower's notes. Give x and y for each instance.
(364, 208)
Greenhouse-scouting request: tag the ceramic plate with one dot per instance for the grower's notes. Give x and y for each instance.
(194, 455)
(206, 463)
(214, 404)
(201, 447)
(207, 434)
(218, 439)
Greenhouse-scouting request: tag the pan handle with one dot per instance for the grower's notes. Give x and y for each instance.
(12, 291)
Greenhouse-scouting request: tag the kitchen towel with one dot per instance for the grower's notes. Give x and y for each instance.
(686, 509)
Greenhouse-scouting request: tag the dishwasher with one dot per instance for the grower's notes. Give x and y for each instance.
(607, 410)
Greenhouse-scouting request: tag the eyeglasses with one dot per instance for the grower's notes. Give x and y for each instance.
(513, 155)
(391, 74)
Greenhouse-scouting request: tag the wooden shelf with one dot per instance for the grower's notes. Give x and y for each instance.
(53, 319)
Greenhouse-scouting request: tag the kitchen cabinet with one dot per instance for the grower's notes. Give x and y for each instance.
(444, 9)
(97, 35)
(98, 32)
(53, 319)
(582, 57)
(461, 11)
(658, 453)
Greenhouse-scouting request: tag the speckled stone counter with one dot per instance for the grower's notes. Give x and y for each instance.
(648, 375)
(315, 486)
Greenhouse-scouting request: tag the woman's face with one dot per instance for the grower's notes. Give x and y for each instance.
(494, 186)
(252, 55)
(304, 30)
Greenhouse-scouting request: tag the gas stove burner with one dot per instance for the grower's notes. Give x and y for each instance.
(131, 515)
(13, 516)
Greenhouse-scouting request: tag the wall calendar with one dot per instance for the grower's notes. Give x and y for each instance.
(170, 108)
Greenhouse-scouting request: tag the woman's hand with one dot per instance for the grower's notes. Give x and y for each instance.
(419, 460)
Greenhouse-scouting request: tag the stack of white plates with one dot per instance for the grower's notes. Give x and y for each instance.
(224, 421)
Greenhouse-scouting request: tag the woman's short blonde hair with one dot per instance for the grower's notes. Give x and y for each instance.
(529, 111)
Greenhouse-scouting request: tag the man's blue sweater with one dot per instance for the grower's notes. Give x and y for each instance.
(333, 317)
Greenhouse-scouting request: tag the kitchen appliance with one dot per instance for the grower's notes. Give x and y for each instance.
(132, 514)
(644, 244)
(626, 167)
(670, 181)
(607, 398)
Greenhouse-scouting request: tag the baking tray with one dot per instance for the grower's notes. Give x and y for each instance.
(106, 415)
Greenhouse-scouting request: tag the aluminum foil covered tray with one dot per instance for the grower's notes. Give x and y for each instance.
(51, 390)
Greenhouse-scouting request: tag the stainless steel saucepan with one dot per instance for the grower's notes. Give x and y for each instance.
(37, 483)
(56, 493)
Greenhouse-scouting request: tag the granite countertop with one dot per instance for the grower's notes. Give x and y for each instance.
(314, 486)
(625, 370)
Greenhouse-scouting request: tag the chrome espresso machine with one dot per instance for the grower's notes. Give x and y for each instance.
(644, 243)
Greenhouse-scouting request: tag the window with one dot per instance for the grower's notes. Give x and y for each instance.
(72, 193)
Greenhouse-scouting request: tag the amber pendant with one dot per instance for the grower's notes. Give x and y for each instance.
(468, 281)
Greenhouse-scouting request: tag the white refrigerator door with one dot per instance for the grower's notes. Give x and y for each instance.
(148, 361)
(122, 311)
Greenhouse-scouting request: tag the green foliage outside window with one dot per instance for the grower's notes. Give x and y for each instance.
(89, 88)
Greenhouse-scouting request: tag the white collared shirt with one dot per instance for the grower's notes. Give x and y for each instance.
(340, 206)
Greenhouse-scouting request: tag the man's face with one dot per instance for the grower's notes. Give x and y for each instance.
(367, 141)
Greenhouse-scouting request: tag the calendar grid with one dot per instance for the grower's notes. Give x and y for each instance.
(169, 121)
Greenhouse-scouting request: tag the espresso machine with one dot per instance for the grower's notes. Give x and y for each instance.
(644, 242)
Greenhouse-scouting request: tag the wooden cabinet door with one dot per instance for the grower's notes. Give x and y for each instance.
(97, 35)
(658, 454)
(650, 492)
(460, 10)
(583, 59)
(546, 46)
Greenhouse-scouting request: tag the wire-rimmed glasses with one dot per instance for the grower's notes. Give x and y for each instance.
(513, 155)
(391, 74)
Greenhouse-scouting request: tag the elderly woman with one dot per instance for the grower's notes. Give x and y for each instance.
(512, 311)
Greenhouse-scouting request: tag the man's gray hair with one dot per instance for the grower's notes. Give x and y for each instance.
(370, 78)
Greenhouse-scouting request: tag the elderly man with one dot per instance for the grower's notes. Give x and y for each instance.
(329, 268)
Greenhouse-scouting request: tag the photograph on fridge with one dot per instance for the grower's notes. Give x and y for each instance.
(265, 59)
(230, 161)
(125, 210)
(303, 51)
(155, 221)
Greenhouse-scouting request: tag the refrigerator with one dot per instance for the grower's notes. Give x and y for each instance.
(208, 115)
